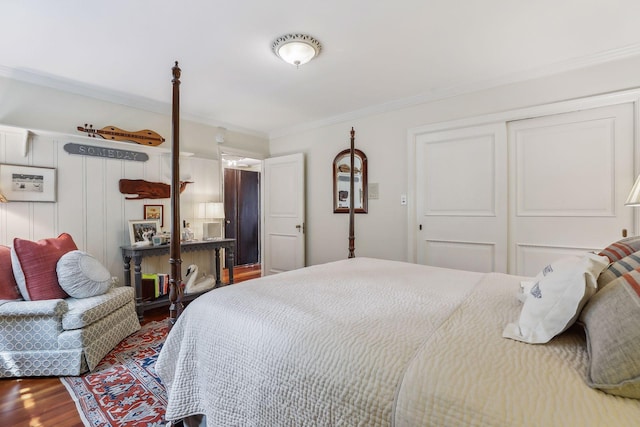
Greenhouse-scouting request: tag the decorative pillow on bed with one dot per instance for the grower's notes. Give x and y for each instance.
(611, 320)
(618, 268)
(8, 285)
(621, 248)
(81, 275)
(525, 289)
(555, 300)
(34, 266)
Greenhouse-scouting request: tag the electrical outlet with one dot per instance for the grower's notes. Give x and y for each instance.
(403, 199)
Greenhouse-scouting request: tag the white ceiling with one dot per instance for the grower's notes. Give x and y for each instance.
(377, 54)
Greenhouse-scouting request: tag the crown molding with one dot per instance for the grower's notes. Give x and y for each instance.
(438, 94)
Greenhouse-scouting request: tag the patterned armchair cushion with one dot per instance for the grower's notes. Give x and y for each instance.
(85, 311)
(8, 285)
(34, 266)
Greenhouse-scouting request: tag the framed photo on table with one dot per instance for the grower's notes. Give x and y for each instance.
(154, 212)
(21, 183)
(141, 231)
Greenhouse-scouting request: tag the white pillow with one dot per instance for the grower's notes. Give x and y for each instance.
(525, 288)
(81, 275)
(555, 300)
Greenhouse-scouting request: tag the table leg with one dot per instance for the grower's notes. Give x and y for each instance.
(230, 262)
(217, 256)
(137, 281)
(127, 270)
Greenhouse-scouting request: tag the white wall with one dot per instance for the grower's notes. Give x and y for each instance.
(90, 206)
(383, 138)
(38, 107)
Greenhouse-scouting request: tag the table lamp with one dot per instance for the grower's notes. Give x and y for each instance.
(209, 211)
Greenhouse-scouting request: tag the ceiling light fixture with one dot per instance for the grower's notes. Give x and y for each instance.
(296, 49)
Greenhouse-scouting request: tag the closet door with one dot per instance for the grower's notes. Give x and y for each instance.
(569, 177)
(461, 198)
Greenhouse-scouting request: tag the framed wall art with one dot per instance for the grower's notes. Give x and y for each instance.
(21, 183)
(141, 231)
(154, 212)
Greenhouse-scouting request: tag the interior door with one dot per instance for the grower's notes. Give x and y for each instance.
(284, 202)
(242, 213)
(461, 198)
(569, 178)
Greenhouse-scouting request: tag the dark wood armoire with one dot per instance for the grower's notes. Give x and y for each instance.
(242, 213)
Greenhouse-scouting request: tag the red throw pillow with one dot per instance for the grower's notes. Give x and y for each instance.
(34, 266)
(8, 285)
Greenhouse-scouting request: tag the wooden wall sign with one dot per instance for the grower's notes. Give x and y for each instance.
(109, 153)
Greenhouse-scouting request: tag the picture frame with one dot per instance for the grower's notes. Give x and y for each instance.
(21, 183)
(154, 212)
(141, 231)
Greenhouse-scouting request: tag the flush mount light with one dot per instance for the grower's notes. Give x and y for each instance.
(296, 49)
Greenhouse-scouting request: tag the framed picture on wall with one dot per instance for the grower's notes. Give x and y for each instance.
(141, 231)
(154, 212)
(28, 183)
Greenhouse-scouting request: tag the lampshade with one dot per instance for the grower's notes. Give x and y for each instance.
(296, 49)
(212, 210)
(634, 195)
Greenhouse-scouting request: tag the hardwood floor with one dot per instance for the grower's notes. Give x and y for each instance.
(45, 402)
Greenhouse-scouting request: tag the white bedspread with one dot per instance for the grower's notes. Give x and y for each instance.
(466, 374)
(366, 342)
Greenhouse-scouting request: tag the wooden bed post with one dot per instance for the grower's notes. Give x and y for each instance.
(352, 236)
(175, 280)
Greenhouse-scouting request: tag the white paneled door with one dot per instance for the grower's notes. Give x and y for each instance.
(569, 178)
(284, 241)
(461, 198)
(514, 196)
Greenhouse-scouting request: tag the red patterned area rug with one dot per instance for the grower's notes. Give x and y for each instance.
(124, 389)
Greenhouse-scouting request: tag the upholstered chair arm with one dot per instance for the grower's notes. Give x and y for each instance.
(52, 307)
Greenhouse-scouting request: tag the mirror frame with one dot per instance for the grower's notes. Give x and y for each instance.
(365, 194)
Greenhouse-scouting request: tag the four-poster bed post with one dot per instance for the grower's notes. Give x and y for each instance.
(352, 236)
(175, 280)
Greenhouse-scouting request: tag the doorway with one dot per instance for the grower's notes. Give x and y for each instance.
(241, 189)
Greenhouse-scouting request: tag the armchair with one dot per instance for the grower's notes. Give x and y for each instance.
(61, 337)
(49, 328)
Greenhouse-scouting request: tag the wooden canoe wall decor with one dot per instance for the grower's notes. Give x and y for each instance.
(147, 190)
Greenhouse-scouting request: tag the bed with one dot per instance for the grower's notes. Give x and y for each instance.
(369, 342)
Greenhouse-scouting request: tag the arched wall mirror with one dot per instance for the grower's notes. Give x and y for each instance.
(341, 180)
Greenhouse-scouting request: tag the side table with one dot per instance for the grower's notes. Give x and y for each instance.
(137, 253)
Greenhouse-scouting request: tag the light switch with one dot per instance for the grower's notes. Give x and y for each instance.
(403, 199)
(373, 190)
